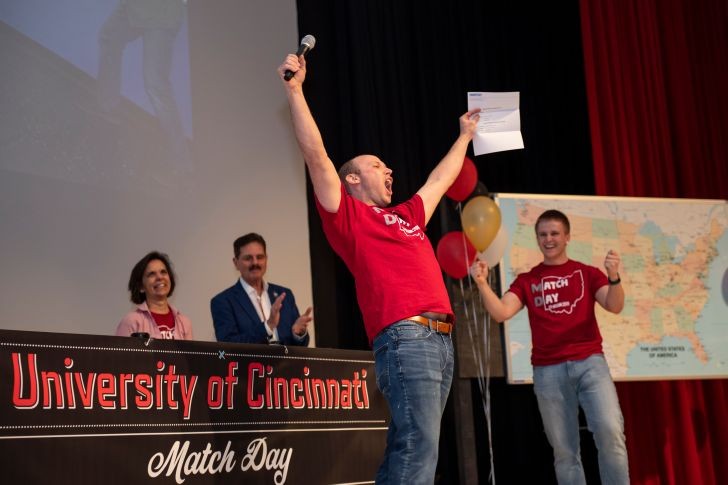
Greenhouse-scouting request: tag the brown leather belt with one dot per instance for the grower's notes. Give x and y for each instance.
(435, 325)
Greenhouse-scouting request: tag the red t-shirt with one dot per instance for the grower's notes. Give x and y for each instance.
(393, 263)
(165, 322)
(560, 301)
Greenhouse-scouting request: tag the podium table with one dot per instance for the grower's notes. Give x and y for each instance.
(88, 409)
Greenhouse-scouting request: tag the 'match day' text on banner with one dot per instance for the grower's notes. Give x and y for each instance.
(81, 408)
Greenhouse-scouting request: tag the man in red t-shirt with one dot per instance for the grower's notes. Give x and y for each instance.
(569, 369)
(399, 286)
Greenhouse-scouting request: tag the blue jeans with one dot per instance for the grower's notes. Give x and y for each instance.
(414, 368)
(560, 389)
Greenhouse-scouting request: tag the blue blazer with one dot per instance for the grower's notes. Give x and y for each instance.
(236, 320)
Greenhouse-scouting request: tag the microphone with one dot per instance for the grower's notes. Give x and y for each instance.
(307, 44)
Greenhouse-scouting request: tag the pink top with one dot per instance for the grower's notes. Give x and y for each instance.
(141, 320)
(394, 266)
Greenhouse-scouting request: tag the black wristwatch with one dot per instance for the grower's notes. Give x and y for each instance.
(614, 282)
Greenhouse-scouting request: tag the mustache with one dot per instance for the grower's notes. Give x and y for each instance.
(254, 267)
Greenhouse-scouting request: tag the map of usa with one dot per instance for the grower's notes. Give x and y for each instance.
(674, 270)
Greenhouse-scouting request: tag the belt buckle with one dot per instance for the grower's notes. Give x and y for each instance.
(434, 325)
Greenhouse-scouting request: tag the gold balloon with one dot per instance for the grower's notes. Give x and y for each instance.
(481, 219)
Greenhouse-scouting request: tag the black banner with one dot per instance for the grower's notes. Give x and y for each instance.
(77, 409)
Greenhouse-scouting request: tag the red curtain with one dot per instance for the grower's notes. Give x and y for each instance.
(657, 83)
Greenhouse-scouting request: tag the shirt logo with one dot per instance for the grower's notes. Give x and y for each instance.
(559, 294)
(167, 333)
(405, 227)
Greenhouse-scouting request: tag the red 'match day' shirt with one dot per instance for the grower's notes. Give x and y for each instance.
(560, 301)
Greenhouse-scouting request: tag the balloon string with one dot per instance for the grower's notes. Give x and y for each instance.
(487, 323)
(483, 382)
(483, 370)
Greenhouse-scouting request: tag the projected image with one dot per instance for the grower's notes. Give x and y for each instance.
(97, 91)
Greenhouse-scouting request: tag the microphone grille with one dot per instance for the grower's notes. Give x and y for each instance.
(309, 41)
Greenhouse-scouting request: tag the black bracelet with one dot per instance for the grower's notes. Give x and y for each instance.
(614, 282)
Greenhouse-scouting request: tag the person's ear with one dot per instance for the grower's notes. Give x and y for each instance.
(352, 178)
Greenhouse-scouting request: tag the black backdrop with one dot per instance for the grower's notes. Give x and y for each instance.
(390, 78)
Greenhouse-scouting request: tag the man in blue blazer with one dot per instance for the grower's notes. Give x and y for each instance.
(253, 311)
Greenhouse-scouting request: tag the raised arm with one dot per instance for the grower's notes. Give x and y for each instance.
(325, 180)
(501, 309)
(445, 173)
(611, 297)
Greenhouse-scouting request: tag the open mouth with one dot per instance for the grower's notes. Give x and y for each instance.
(388, 185)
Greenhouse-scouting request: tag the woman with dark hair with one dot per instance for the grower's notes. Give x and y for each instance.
(151, 283)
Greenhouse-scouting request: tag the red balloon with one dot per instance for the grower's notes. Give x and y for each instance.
(455, 254)
(465, 182)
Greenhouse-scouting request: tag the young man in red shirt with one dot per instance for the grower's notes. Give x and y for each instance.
(569, 369)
